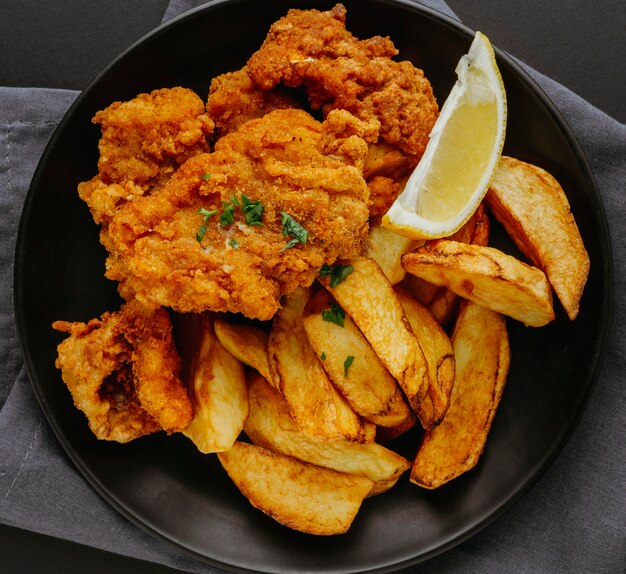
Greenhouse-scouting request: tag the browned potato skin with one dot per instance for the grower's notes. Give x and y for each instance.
(486, 276)
(533, 208)
(216, 384)
(439, 356)
(315, 403)
(297, 494)
(442, 302)
(368, 386)
(270, 425)
(481, 348)
(368, 297)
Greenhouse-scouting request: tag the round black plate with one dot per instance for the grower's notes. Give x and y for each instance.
(162, 483)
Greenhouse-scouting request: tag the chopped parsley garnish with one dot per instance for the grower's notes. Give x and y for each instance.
(227, 216)
(346, 364)
(206, 215)
(235, 201)
(323, 356)
(338, 273)
(253, 210)
(293, 228)
(234, 243)
(334, 315)
(206, 176)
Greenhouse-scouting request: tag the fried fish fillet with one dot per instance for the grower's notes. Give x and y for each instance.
(144, 140)
(313, 50)
(123, 372)
(192, 247)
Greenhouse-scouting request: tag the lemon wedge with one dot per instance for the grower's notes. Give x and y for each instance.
(462, 153)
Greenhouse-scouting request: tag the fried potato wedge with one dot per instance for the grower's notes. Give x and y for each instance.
(481, 348)
(216, 384)
(486, 276)
(533, 208)
(441, 301)
(387, 248)
(439, 356)
(246, 342)
(317, 406)
(271, 425)
(365, 382)
(296, 494)
(368, 297)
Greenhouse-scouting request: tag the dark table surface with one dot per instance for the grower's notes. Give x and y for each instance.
(65, 43)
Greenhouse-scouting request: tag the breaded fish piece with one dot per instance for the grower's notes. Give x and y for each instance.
(313, 50)
(144, 140)
(192, 247)
(235, 99)
(123, 372)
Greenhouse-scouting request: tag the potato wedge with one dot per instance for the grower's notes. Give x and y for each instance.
(533, 208)
(486, 276)
(439, 356)
(368, 297)
(216, 384)
(366, 384)
(246, 342)
(387, 248)
(441, 301)
(271, 425)
(315, 403)
(481, 348)
(297, 494)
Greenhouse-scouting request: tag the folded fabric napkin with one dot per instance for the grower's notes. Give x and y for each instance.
(572, 520)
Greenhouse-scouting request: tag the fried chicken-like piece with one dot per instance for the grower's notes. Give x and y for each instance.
(143, 142)
(123, 372)
(313, 50)
(164, 252)
(235, 99)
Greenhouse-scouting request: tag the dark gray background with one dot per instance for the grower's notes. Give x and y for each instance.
(65, 43)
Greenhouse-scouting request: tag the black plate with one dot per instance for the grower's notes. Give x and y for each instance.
(163, 484)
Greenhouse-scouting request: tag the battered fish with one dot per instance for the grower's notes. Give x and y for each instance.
(313, 50)
(144, 140)
(123, 372)
(235, 229)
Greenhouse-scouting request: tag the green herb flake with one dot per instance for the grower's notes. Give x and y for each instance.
(206, 176)
(334, 315)
(234, 243)
(253, 210)
(293, 228)
(227, 217)
(338, 273)
(206, 215)
(346, 364)
(323, 356)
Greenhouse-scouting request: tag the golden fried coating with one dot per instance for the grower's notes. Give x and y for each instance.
(143, 142)
(163, 251)
(313, 50)
(123, 372)
(234, 99)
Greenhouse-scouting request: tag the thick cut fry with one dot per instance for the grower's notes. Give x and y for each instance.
(365, 383)
(481, 348)
(533, 208)
(299, 495)
(247, 343)
(313, 400)
(441, 301)
(486, 276)
(270, 425)
(387, 248)
(368, 297)
(439, 356)
(216, 383)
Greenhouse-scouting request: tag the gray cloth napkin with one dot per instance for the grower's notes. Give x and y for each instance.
(572, 521)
